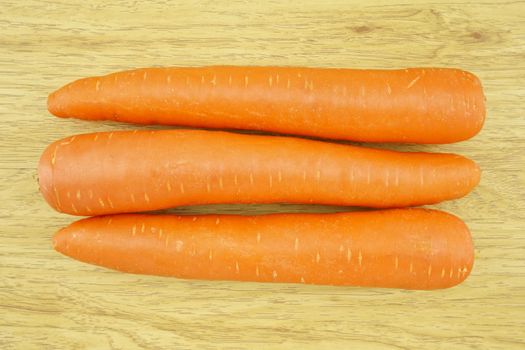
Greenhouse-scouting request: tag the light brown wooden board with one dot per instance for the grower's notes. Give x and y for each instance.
(48, 301)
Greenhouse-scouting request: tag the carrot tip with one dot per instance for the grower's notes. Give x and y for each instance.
(59, 240)
(45, 175)
(50, 103)
(55, 104)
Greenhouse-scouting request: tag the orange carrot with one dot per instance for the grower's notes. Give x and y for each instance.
(421, 105)
(401, 248)
(132, 171)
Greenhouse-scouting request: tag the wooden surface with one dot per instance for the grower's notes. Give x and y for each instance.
(48, 301)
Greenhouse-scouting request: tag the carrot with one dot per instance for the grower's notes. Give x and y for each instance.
(421, 105)
(401, 248)
(132, 171)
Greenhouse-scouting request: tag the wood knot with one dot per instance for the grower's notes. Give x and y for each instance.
(478, 36)
(361, 29)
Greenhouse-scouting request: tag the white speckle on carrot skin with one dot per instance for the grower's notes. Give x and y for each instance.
(230, 80)
(74, 208)
(341, 248)
(360, 259)
(210, 255)
(168, 186)
(251, 178)
(270, 81)
(302, 279)
(214, 80)
(296, 244)
(208, 187)
(97, 85)
(348, 254)
(53, 158)
(68, 194)
(442, 272)
(258, 237)
(464, 271)
(274, 274)
(57, 197)
(411, 267)
(167, 241)
(194, 219)
(318, 258)
(179, 245)
(429, 272)
(318, 175)
(413, 82)
(237, 269)
(110, 203)
(277, 79)
(101, 202)
(217, 221)
(388, 89)
(245, 81)
(160, 233)
(257, 270)
(181, 188)
(288, 83)
(145, 75)
(134, 230)
(143, 228)
(70, 140)
(89, 209)
(79, 195)
(146, 197)
(168, 79)
(95, 138)
(132, 198)
(396, 263)
(110, 135)
(221, 183)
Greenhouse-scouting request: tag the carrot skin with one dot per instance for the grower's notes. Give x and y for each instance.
(400, 248)
(418, 105)
(133, 171)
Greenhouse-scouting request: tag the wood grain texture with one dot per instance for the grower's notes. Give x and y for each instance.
(50, 302)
